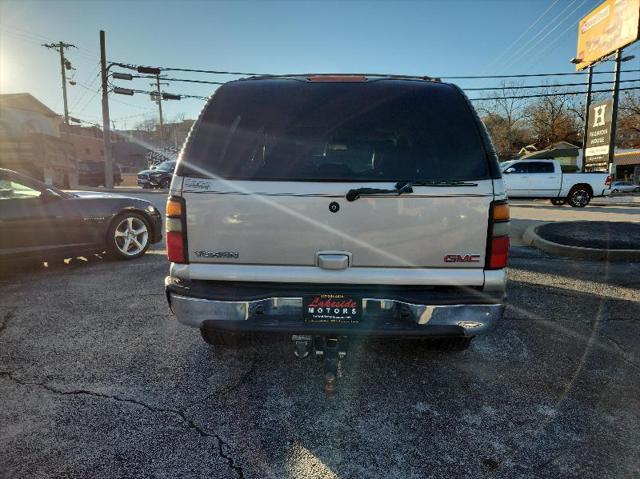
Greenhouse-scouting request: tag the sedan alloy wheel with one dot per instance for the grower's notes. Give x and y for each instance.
(131, 237)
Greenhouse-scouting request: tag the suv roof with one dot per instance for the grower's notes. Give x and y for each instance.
(345, 77)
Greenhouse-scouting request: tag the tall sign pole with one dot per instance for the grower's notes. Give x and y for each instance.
(586, 118)
(614, 113)
(106, 129)
(608, 28)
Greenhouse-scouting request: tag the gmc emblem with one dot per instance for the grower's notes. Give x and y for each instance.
(462, 258)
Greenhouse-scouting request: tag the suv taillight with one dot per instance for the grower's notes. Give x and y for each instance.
(607, 182)
(176, 230)
(498, 239)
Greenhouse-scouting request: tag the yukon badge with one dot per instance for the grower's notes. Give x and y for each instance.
(462, 258)
(218, 254)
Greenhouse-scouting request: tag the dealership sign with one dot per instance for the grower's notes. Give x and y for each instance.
(599, 134)
(612, 25)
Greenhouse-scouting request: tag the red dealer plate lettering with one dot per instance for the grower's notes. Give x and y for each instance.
(331, 308)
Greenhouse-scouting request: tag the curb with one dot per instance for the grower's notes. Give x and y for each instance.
(531, 238)
(619, 204)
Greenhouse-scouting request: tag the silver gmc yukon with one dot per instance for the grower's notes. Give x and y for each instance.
(332, 206)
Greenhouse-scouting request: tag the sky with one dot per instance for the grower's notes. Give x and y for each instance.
(436, 38)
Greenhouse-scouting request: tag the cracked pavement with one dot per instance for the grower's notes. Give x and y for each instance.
(98, 380)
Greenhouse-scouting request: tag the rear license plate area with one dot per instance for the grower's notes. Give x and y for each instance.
(331, 308)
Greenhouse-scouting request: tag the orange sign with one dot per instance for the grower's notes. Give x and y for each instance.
(610, 26)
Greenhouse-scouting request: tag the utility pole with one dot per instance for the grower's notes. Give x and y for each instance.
(64, 65)
(106, 130)
(159, 100)
(614, 113)
(586, 118)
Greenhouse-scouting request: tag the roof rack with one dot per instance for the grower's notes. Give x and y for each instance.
(368, 75)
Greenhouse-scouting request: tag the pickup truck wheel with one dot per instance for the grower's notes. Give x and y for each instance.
(451, 344)
(579, 197)
(558, 201)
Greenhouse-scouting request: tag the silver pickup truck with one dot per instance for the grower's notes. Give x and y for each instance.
(332, 206)
(542, 178)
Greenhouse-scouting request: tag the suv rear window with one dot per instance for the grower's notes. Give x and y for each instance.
(381, 130)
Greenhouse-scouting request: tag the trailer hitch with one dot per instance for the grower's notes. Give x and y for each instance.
(331, 349)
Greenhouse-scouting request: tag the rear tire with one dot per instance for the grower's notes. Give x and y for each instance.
(558, 201)
(579, 196)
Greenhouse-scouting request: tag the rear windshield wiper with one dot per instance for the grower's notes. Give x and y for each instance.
(409, 184)
(402, 187)
(356, 193)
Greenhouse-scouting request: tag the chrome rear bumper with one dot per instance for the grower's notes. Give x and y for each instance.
(470, 319)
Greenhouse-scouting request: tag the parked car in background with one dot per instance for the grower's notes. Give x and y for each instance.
(545, 179)
(91, 173)
(38, 220)
(625, 187)
(157, 176)
(379, 212)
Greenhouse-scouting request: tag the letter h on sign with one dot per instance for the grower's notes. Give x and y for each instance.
(599, 117)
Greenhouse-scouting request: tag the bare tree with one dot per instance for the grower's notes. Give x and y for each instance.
(553, 118)
(504, 116)
(148, 125)
(628, 131)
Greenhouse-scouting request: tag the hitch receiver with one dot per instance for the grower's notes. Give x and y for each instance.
(331, 349)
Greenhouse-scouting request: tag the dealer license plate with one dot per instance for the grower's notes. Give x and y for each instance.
(331, 308)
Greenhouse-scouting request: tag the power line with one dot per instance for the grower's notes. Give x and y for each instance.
(459, 77)
(540, 52)
(181, 80)
(146, 92)
(88, 102)
(559, 85)
(550, 94)
(192, 70)
(534, 39)
(529, 75)
(499, 58)
(94, 77)
(504, 87)
(34, 38)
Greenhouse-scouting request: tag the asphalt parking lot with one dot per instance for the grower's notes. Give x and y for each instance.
(98, 381)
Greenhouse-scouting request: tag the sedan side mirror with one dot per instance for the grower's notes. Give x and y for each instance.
(49, 195)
